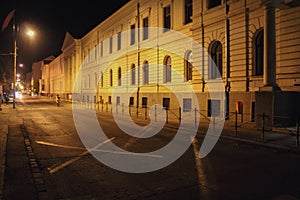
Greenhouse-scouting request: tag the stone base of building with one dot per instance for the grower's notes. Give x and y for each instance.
(275, 108)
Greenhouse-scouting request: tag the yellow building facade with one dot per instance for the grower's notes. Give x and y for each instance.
(234, 55)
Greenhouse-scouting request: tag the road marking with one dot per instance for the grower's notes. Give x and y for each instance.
(59, 145)
(97, 150)
(55, 168)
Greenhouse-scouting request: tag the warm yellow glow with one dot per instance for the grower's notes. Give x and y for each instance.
(30, 33)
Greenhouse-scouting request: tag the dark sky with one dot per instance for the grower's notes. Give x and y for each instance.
(50, 19)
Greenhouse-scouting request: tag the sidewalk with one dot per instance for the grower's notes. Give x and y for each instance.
(278, 138)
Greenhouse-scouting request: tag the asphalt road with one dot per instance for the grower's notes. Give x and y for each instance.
(66, 170)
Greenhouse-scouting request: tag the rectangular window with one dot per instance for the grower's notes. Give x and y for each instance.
(213, 3)
(144, 102)
(95, 51)
(133, 75)
(167, 18)
(187, 105)
(131, 101)
(119, 40)
(95, 99)
(110, 44)
(166, 103)
(96, 79)
(101, 99)
(213, 108)
(132, 34)
(118, 100)
(145, 28)
(109, 99)
(101, 49)
(188, 11)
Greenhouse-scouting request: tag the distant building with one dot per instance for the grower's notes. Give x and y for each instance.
(251, 46)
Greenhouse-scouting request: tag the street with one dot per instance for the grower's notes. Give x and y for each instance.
(60, 167)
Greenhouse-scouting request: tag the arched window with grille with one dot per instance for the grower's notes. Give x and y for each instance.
(167, 69)
(111, 77)
(119, 76)
(101, 79)
(146, 72)
(133, 74)
(188, 67)
(215, 60)
(258, 57)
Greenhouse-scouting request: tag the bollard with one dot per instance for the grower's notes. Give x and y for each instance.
(167, 115)
(179, 111)
(122, 109)
(297, 138)
(263, 127)
(195, 117)
(236, 124)
(155, 112)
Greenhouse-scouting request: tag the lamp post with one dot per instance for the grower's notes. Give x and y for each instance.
(30, 33)
(15, 65)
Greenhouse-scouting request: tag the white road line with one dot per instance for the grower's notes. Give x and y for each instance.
(55, 168)
(59, 145)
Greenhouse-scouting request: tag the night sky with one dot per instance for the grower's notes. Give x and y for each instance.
(50, 19)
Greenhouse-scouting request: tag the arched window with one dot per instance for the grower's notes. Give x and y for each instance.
(96, 79)
(119, 76)
(258, 61)
(188, 67)
(111, 77)
(84, 82)
(89, 81)
(102, 79)
(167, 69)
(133, 74)
(146, 72)
(215, 60)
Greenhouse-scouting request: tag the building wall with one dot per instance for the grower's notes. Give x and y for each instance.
(234, 24)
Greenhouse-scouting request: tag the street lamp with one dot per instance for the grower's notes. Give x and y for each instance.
(30, 33)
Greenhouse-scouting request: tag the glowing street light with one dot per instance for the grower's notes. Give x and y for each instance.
(30, 33)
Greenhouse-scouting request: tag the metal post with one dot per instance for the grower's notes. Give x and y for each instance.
(155, 112)
(122, 109)
(179, 112)
(167, 117)
(15, 70)
(263, 127)
(236, 123)
(297, 138)
(195, 117)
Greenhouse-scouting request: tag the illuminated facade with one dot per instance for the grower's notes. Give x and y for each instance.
(253, 44)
